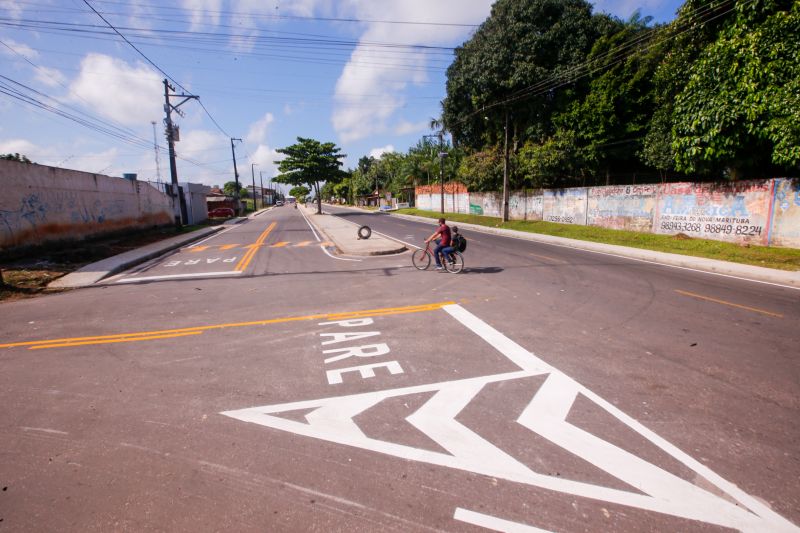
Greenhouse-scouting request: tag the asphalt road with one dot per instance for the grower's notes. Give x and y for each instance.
(258, 382)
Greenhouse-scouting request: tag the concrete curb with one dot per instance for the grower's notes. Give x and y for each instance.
(332, 229)
(94, 272)
(725, 268)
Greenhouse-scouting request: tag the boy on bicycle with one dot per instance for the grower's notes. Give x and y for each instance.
(443, 232)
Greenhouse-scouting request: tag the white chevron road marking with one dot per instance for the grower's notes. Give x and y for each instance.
(545, 415)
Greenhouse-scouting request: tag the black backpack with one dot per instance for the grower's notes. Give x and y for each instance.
(459, 242)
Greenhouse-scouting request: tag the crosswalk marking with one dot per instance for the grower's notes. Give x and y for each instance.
(279, 244)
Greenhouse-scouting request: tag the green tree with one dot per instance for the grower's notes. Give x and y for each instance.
(739, 110)
(310, 162)
(15, 157)
(230, 189)
(300, 192)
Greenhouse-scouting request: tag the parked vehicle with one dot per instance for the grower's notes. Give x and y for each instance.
(278, 203)
(221, 212)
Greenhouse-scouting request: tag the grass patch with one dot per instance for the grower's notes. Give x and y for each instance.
(764, 256)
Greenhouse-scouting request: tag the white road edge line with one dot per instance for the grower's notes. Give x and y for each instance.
(320, 240)
(179, 276)
(494, 523)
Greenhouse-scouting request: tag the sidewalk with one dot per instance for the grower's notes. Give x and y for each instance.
(91, 274)
(767, 275)
(344, 234)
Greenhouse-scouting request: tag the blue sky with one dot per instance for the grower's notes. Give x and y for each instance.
(365, 74)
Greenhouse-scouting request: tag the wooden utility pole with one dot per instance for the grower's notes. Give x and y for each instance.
(173, 136)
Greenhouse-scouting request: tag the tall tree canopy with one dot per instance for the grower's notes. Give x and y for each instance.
(310, 162)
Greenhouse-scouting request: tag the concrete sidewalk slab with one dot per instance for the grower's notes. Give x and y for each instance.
(755, 273)
(92, 273)
(344, 235)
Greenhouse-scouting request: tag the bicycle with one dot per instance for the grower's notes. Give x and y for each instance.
(421, 259)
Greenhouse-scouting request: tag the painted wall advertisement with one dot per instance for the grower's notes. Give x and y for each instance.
(734, 212)
(786, 214)
(566, 206)
(629, 207)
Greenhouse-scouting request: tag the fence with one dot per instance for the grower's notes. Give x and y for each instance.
(763, 212)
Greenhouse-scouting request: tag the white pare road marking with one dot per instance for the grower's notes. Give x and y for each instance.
(180, 276)
(493, 523)
(332, 419)
(367, 350)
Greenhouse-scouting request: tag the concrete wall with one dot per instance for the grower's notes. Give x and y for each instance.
(734, 212)
(629, 207)
(785, 227)
(42, 204)
(194, 195)
(763, 212)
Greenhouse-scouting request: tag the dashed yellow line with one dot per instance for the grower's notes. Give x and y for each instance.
(245, 261)
(181, 332)
(731, 304)
(228, 246)
(279, 244)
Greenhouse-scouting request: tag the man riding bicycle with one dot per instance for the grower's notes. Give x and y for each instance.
(443, 232)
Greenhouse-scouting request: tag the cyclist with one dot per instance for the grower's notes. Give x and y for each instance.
(443, 232)
(455, 236)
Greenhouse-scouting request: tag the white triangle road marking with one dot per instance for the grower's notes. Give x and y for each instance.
(546, 414)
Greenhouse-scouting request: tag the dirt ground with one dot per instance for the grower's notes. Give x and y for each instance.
(27, 275)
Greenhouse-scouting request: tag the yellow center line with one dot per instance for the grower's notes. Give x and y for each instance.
(304, 243)
(228, 246)
(723, 302)
(111, 341)
(199, 248)
(279, 244)
(167, 333)
(245, 261)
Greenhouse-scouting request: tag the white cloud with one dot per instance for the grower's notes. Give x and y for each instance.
(265, 158)
(373, 74)
(50, 76)
(11, 9)
(18, 146)
(404, 127)
(377, 153)
(203, 12)
(22, 49)
(130, 95)
(258, 130)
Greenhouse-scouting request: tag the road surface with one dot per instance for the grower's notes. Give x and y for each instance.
(256, 381)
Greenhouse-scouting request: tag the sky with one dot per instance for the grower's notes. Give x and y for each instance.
(81, 81)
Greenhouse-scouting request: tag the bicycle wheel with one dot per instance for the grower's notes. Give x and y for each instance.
(421, 259)
(455, 263)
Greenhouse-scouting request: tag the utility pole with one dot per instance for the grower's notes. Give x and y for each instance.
(172, 137)
(236, 178)
(261, 175)
(441, 167)
(505, 172)
(253, 173)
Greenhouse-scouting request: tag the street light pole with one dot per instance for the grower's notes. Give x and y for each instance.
(441, 168)
(253, 173)
(505, 172)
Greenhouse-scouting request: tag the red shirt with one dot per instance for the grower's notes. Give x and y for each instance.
(444, 231)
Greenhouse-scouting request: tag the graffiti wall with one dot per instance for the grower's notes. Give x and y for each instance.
(735, 212)
(44, 204)
(567, 206)
(763, 212)
(526, 205)
(786, 214)
(629, 207)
